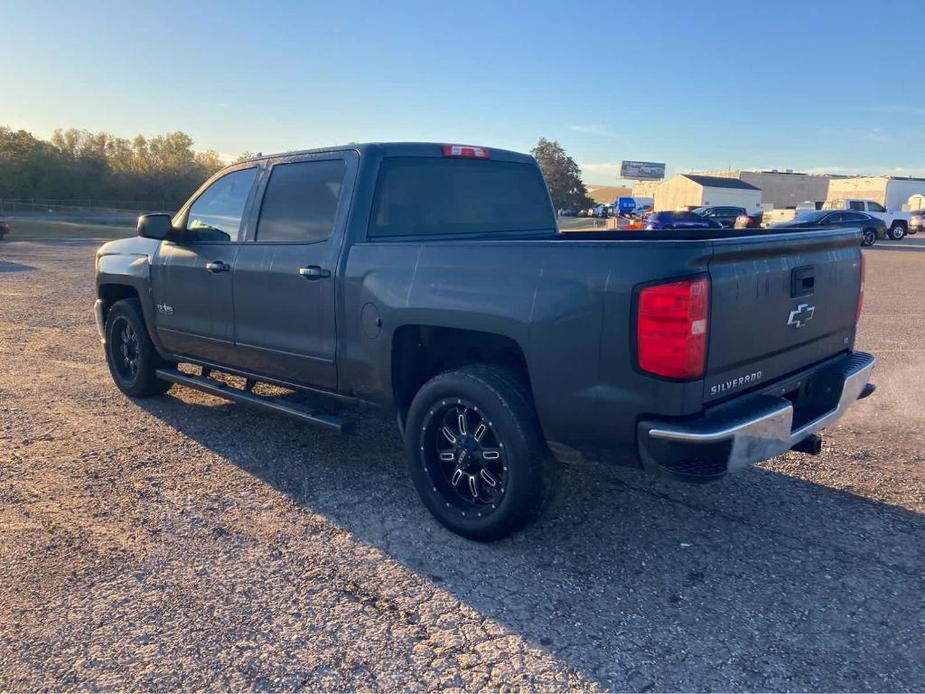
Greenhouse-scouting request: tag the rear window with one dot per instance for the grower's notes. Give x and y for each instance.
(418, 196)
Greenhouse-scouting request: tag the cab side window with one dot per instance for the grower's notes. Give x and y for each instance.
(301, 201)
(215, 217)
(856, 205)
(875, 207)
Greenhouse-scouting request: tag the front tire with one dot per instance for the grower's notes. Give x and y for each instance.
(897, 231)
(868, 237)
(130, 354)
(474, 451)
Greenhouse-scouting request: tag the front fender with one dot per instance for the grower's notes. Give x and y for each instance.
(127, 263)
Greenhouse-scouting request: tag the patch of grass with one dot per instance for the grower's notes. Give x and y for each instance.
(28, 229)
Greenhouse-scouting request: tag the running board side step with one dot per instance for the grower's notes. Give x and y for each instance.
(245, 397)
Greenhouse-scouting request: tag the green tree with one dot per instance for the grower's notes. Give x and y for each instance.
(562, 174)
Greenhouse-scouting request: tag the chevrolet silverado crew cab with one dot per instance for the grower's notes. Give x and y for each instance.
(432, 280)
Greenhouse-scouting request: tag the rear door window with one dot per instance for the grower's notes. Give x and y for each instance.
(875, 207)
(301, 201)
(856, 205)
(417, 196)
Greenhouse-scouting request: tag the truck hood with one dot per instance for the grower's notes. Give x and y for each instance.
(135, 245)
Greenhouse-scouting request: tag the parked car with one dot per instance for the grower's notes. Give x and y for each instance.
(897, 223)
(724, 214)
(582, 213)
(916, 221)
(431, 280)
(4, 228)
(566, 213)
(679, 220)
(871, 227)
(750, 220)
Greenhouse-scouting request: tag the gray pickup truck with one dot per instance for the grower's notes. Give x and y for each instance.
(432, 280)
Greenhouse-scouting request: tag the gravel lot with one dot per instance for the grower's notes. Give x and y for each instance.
(185, 543)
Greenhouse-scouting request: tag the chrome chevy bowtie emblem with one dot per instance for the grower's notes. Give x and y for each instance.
(801, 315)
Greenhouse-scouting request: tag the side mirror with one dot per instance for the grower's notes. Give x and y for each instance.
(154, 226)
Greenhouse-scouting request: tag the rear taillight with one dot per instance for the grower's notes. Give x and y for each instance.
(861, 288)
(465, 151)
(671, 328)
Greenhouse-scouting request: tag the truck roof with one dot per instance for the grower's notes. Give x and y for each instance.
(399, 149)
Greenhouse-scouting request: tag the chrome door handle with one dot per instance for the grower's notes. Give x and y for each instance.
(313, 272)
(217, 266)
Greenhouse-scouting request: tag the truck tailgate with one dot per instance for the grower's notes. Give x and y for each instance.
(779, 302)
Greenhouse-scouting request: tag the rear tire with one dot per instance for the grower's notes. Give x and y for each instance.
(897, 231)
(868, 237)
(130, 354)
(474, 451)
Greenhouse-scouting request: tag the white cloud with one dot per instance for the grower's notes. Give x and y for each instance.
(899, 108)
(612, 168)
(596, 129)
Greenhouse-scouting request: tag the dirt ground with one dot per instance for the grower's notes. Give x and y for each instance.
(185, 543)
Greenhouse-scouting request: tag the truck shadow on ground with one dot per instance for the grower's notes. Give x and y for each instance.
(760, 581)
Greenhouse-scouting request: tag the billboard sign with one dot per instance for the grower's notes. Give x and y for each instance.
(642, 170)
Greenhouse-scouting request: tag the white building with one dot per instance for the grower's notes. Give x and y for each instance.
(893, 193)
(696, 190)
(645, 189)
(782, 189)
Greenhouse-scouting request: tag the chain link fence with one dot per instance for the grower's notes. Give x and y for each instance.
(83, 206)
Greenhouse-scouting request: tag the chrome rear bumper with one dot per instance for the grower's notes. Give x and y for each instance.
(755, 427)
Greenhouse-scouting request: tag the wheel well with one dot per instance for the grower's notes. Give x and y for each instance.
(111, 293)
(900, 223)
(420, 352)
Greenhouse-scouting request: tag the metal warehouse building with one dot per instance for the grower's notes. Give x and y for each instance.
(891, 192)
(686, 190)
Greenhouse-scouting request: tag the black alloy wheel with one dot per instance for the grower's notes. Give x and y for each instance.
(132, 357)
(475, 453)
(464, 456)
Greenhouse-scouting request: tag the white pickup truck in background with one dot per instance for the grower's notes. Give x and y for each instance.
(788, 214)
(897, 223)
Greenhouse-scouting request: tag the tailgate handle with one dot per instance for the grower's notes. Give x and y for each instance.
(802, 281)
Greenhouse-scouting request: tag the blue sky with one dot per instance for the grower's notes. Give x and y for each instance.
(812, 85)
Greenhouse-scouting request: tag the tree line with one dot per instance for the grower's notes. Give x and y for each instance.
(165, 169)
(80, 165)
